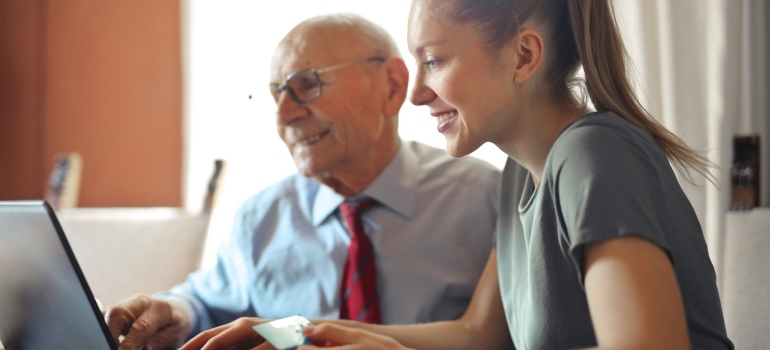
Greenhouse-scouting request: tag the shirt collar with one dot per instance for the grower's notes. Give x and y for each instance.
(395, 188)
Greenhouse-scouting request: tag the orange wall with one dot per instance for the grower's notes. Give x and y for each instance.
(21, 142)
(110, 90)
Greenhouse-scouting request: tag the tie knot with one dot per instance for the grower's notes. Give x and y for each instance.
(355, 208)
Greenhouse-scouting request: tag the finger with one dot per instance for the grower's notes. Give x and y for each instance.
(333, 333)
(334, 347)
(240, 335)
(200, 340)
(264, 346)
(143, 327)
(163, 339)
(119, 318)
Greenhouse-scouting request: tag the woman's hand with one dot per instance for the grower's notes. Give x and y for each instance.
(238, 334)
(333, 336)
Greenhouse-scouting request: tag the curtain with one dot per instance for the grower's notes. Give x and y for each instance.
(701, 71)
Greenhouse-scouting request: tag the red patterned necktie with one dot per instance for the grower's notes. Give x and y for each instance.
(359, 299)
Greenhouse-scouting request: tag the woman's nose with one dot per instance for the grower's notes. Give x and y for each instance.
(421, 94)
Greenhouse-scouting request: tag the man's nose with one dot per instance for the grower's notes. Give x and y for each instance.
(288, 110)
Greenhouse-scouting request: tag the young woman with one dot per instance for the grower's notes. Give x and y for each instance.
(597, 244)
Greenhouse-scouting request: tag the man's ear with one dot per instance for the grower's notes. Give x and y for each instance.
(397, 82)
(528, 49)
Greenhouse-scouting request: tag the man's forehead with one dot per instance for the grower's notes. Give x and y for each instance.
(317, 48)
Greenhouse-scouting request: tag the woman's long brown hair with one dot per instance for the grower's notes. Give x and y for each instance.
(581, 32)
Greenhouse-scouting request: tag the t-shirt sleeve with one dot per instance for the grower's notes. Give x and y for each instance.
(607, 185)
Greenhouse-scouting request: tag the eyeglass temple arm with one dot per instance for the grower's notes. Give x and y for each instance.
(343, 65)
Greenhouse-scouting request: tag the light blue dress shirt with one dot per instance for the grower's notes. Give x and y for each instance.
(432, 230)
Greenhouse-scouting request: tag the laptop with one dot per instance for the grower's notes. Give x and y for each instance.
(45, 302)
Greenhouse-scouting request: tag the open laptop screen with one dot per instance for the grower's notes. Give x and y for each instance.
(45, 302)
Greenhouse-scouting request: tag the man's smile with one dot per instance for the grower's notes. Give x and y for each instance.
(312, 139)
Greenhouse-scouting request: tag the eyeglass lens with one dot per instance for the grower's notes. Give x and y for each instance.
(303, 85)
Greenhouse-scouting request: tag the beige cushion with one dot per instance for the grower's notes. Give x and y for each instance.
(746, 278)
(125, 251)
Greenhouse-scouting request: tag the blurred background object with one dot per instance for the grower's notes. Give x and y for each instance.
(125, 251)
(64, 183)
(212, 190)
(745, 294)
(745, 173)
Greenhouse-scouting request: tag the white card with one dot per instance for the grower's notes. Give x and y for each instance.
(285, 333)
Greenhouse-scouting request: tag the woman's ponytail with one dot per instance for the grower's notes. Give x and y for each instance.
(581, 32)
(604, 58)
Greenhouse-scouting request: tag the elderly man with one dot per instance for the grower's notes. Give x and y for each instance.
(372, 228)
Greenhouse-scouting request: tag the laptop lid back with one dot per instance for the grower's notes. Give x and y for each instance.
(45, 302)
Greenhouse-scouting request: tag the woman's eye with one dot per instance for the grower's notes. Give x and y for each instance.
(431, 63)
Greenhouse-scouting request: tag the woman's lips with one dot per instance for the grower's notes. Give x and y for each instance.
(445, 119)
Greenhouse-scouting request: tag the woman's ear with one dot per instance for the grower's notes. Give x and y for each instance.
(397, 82)
(528, 50)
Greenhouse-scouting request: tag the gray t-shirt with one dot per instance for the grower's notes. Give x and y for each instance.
(604, 178)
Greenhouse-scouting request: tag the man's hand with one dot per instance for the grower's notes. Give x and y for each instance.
(150, 322)
(336, 336)
(238, 334)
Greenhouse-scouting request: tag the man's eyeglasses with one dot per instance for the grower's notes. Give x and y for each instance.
(305, 86)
